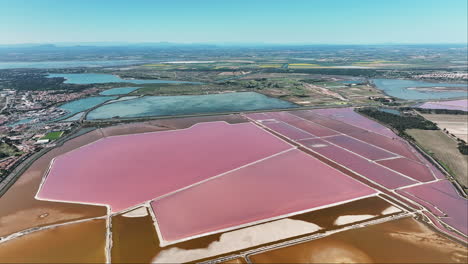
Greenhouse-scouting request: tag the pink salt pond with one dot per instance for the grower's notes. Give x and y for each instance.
(461, 105)
(410, 168)
(123, 171)
(442, 196)
(287, 130)
(361, 148)
(360, 165)
(349, 116)
(285, 184)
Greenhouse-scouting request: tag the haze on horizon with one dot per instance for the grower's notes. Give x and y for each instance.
(242, 21)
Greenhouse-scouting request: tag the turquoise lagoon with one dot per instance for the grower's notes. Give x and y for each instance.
(120, 90)
(400, 89)
(89, 78)
(84, 104)
(188, 104)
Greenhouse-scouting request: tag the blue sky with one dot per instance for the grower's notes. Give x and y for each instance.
(234, 21)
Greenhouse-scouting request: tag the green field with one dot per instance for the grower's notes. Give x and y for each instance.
(53, 135)
(444, 149)
(184, 89)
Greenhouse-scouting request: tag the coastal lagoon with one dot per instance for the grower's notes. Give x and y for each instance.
(80, 105)
(405, 89)
(89, 78)
(75, 117)
(120, 90)
(65, 64)
(188, 104)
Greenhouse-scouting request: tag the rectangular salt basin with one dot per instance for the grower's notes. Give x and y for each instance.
(461, 105)
(349, 116)
(361, 148)
(392, 144)
(305, 125)
(358, 164)
(123, 171)
(288, 131)
(395, 145)
(330, 123)
(285, 184)
(410, 168)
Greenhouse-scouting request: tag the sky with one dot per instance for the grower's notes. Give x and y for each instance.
(234, 21)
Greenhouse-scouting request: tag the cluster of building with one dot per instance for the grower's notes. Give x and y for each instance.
(27, 139)
(25, 119)
(31, 100)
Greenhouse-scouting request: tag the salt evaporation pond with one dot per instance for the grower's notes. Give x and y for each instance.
(118, 91)
(401, 89)
(189, 104)
(88, 78)
(80, 105)
(461, 105)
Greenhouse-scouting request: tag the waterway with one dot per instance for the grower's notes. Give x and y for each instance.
(120, 90)
(89, 78)
(80, 105)
(405, 89)
(75, 117)
(189, 104)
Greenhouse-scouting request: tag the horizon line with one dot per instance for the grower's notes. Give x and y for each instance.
(253, 43)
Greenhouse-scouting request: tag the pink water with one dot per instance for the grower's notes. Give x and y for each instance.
(358, 164)
(284, 184)
(349, 116)
(329, 122)
(123, 171)
(443, 195)
(392, 144)
(395, 145)
(410, 168)
(287, 130)
(312, 128)
(359, 147)
(449, 105)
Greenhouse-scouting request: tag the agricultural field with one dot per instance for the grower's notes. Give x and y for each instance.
(444, 149)
(380, 63)
(185, 89)
(271, 65)
(454, 124)
(309, 89)
(297, 88)
(302, 65)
